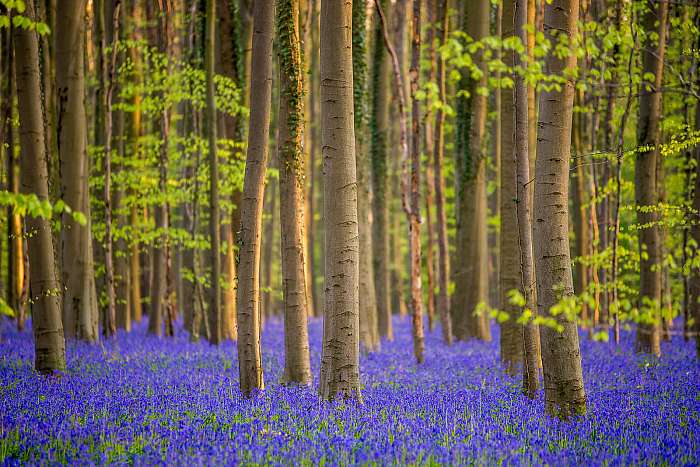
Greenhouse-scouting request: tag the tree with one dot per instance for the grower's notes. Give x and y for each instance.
(80, 318)
(646, 183)
(49, 343)
(290, 122)
(248, 299)
(471, 268)
(340, 365)
(561, 356)
(215, 317)
(380, 204)
(369, 330)
(442, 305)
(413, 211)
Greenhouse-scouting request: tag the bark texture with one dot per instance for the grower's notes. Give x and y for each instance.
(80, 316)
(44, 290)
(297, 368)
(340, 365)
(561, 356)
(248, 299)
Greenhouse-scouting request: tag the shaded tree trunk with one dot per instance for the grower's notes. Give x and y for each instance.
(340, 365)
(561, 356)
(248, 299)
(49, 343)
(646, 186)
(369, 330)
(80, 316)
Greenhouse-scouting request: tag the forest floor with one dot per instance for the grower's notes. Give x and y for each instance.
(142, 400)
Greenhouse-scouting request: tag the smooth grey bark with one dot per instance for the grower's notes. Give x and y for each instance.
(44, 288)
(248, 299)
(561, 356)
(340, 364)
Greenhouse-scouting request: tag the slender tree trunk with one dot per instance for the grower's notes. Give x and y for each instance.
(268, 299)
(510, 278)
(646, 189)
(369, 330)
(248, 300)
(49, 343)
(561, 356)
(471, 270)
(215, 321)
(297, 368)
(523, 206)
(158, 292)
(80, 316)
(340, 364)
(442, 304)
(694, 281)
(380, 198)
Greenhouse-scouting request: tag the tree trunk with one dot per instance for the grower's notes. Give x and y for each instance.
(511, 340)
(297, 368)
(80, 317)
(340, 364)
(694, 281)
(248, 300)
(561, 356)
(215, 321)
(471, 270)
(646, 189)
(380, 198)
(49, 343)
(442, 305)
(369, 330)
(523, 206)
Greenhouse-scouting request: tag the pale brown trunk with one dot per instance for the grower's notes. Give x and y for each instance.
(49, 343)
(442, 304)
(340, 365)
(369, 331)
(80, 316)
(561, 356)
(248, 299)
(646, 188)
(511, 340)
(380, 185)
(471, 268)
(292, 167)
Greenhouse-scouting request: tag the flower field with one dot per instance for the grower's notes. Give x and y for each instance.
(142, 400)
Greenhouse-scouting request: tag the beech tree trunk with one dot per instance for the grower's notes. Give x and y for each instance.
(369, 330)
(646, 188)
(215, 317)
(380, 185)
(340, 365)
(442, 301)
(44, 288)
(297, 368)
(561, 356)
(248, 300)
(471, 269)
(80, 315)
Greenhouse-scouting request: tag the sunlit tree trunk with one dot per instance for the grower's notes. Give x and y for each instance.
(80, 316)
(49, 343)
(646, 183)
(442, 304)
(248, 299)
(297, 368)
(340, 365)
(215, 321)
(561, 356)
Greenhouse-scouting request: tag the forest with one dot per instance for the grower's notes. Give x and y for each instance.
(350, 232)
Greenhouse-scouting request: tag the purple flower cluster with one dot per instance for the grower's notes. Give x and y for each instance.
(142, 400)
